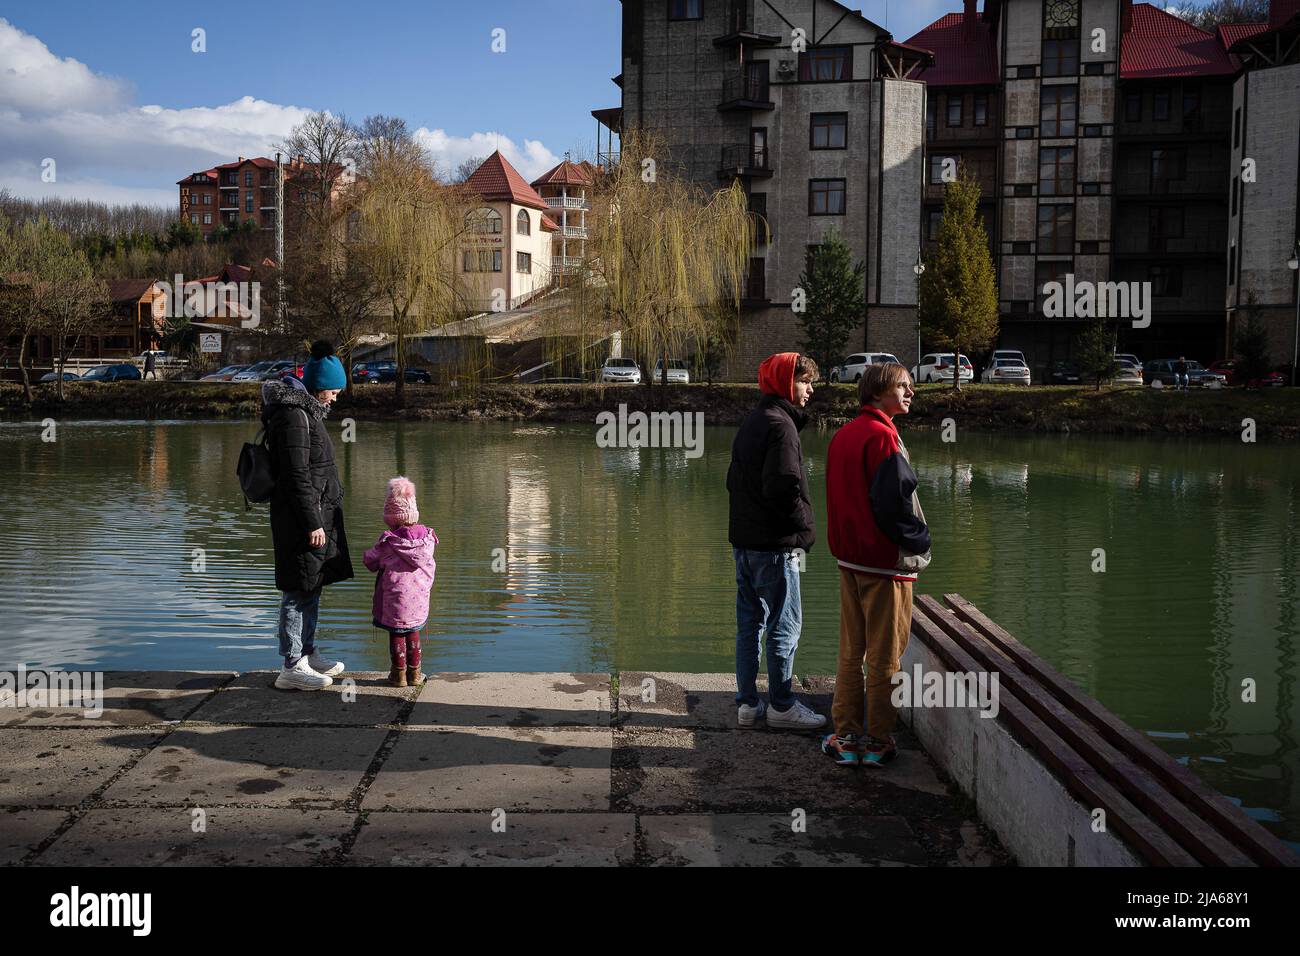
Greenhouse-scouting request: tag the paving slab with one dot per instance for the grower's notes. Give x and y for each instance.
(482, 768)
(251, 766)
(672, 699)
(130, 698)
(253, 699)
(513, 700)
(229, 837)
(61, 767)
(751, 839)
(659, 769)
(22, 831)
(467, 839)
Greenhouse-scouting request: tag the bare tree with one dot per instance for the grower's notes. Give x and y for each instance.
(69, 298)
(1210, 15)
(466, 169)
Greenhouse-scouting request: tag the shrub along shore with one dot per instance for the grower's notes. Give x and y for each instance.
(1135, 411)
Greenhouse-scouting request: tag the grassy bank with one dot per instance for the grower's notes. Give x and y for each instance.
(1276, 412)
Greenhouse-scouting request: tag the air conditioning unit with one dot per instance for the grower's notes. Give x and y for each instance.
(785, 68)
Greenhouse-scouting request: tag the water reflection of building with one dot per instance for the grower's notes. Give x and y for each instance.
(528, 525)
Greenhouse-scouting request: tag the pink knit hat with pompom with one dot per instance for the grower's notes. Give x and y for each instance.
(399, 508)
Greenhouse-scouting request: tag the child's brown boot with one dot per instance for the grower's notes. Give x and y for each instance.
(413, 677)
(397, 677)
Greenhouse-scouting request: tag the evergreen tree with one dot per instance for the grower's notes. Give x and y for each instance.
(958, 293)
(1095, 348)
(835, 305)
(1251, 342)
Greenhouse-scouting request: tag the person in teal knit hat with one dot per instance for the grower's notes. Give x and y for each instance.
(311, 545)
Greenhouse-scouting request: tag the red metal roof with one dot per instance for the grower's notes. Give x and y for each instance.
(549, 224)
(1230, 33)
(567, 173)
(961, 57)
(496, 179)
(210, 173)
(1159, 44)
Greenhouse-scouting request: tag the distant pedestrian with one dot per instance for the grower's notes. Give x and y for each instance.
(877, 531)
(403, 560)
(1180, 372)
(771, 531)
(311, 546)
(150, 365)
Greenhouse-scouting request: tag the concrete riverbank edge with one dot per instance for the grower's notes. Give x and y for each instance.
(1274, 412)
(630, 769)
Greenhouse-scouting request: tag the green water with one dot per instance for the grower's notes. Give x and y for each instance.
(126, 545)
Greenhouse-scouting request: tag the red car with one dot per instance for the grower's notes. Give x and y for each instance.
(1229, 368)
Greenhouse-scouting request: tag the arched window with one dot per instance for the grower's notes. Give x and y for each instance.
(484, 220)
(523, 225)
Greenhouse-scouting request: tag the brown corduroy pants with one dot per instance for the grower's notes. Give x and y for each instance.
(875, 619)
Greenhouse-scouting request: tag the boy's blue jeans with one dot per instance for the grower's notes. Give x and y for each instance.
(298, 613)
(768, 612)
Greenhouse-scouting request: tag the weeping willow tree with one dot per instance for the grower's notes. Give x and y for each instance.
(666, 257)
(408, 228)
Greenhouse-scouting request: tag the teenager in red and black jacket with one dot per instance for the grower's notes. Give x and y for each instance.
(877, 531)
(770, 527)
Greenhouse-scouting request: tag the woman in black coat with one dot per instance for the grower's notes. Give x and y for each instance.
(311, 546)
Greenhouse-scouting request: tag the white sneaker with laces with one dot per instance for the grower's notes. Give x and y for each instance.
(325, 667)
(798, 717)
(746, 715)
(301, 677)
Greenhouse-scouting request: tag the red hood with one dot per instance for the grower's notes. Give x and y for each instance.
(776, 375)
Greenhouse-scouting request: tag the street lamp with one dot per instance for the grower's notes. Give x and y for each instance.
(1294, 264)
(918, 269)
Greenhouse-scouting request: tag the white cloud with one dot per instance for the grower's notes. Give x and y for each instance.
(109, 149)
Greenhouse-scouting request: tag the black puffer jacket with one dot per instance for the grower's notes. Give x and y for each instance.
(308, 494)
(770, 507)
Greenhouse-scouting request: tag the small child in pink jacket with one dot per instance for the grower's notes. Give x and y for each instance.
(403, 558)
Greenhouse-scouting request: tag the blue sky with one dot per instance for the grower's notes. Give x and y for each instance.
(115, 95)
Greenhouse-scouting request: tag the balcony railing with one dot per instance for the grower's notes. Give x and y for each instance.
(745, 161)
(606, 159)
(745, 92)
(573, 232)
(567, 202)
(739, 28)
(565, 265)
(1188, 185)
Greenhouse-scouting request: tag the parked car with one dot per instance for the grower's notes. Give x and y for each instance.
(1006, 371)
(54, 376)
(853, 367)
(1064, 373)
(252, 373)
(938, 367)
(1129, 356)
(223, 374)
(385, 371)
(279, 368)
(677, 373)
(1130, 372)
(118, 372)
(623, 370)
(1273, 379)
(1162, 370)
(160, 357)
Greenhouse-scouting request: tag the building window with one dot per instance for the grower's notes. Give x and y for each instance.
(1022, 189)
(1090, 248)
(484, 221)
(248, 178)
(826, 197)
(1236, 185)
(1090, 189)
(1058, 110)
(954, 109)
(1024, 132)
(981, 109)
(524, 262)
(826, 64)
(207, 219)
(937, 167)
(931, 108)
(1164, 223)
(248, 202)
(207, 199)
(1167, 166)
(1056, 228)
(482, 260)
(829, 131)
(1045, 272)
(1061, 57)
(1092, 131)
(1026, 72)
(1160, 105)
(1020, 248)
(1236, 128)
(1191, 107)
(523, 224)
(1094, 69)
(194, 218)
(756, 280)
(1056, 171)
(1166, 280)
(1232, 263)
(685, 9)
(1133, 107)
(932, 218)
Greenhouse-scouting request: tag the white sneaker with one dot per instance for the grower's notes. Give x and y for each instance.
(301, 677)
(798, 717)
(746, 715)
(322, 666)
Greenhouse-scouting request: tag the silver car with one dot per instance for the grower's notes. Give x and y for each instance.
(677, 373)
(621, 370)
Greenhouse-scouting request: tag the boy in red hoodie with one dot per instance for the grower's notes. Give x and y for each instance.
(877, 532)
(770, 527)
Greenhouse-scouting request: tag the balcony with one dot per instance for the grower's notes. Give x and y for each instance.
(740, 29)
(1198, 184)
(744, 161)
(565, 265)
(573, 232)
(746, 93)
(569, 202)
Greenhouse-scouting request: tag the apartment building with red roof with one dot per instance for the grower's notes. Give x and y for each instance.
(566, 190)
(244, 191)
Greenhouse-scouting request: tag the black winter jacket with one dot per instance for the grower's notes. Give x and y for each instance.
(770, 507)
(308, 494)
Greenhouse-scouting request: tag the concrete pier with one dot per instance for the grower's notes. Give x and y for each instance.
(630, 769)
